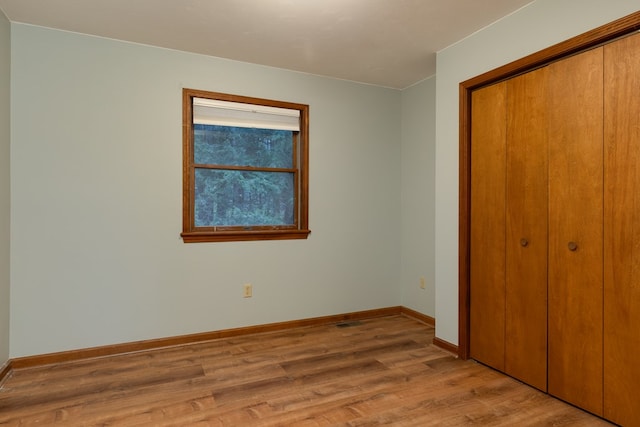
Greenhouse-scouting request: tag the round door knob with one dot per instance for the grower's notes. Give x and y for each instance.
(573, 246)
(524, 243)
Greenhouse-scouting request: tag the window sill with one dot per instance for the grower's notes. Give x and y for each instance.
(237, 236)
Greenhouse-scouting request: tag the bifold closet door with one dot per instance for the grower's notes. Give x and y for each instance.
(526, 238)
(575, 340)
(487, 240)
(509, 228)
(622, 232)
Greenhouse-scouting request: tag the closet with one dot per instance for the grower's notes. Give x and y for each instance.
(554, 228)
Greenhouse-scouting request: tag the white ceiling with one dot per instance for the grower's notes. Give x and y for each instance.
(389, 43)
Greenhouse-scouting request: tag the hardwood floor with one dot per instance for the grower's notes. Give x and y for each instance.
(382, 371)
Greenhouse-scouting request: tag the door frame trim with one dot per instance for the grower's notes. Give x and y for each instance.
(601, 35)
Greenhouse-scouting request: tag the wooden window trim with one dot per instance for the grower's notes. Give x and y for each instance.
(192, 234)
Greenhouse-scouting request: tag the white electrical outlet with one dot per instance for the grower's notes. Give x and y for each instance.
(423, 283)
(248, 290)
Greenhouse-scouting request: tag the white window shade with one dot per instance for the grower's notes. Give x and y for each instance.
(237, 114)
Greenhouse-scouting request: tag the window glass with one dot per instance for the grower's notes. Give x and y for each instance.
(243, 198)
(224, 145)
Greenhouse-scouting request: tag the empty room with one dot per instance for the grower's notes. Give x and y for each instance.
(316, 213)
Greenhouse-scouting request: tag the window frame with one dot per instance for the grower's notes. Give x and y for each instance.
(300, 228)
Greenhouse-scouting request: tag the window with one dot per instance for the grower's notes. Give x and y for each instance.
(245, 168)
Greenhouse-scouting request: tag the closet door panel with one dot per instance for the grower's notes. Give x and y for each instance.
(526, 244)
(622, 232)
(487, 240)
(575, 229)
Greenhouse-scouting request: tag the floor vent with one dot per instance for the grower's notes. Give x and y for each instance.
(348, 324)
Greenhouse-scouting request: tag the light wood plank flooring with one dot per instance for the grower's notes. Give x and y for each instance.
(382, 371)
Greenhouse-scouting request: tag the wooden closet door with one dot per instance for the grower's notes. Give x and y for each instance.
(487, 239)
(622, 231)
(575, 229)
(526, 240)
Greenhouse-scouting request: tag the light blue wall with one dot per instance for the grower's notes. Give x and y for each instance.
(541, 24)
(96, 198)
(95, 185)
(418, 194)
(5, 137)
